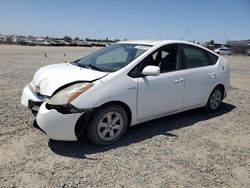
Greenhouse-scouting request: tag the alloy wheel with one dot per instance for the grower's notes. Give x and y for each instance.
(215, 99)
(110, 126)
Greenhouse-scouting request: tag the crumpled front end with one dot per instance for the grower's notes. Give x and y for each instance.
(56, 125)
(32, 99)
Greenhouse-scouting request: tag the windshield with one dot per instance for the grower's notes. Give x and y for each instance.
(112, 58)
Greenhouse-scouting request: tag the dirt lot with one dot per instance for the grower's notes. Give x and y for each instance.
(191, 149)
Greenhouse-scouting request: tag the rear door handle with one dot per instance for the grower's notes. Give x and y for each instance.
(212, 74)
(179, 80)
(131, 88)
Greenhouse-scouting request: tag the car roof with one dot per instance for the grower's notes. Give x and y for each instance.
(142, 42)
(163, 42)
(156, 42)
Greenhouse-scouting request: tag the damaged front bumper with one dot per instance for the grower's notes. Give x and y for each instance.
(56, 125)
(68, 109)
(31, 99)
(57, 122)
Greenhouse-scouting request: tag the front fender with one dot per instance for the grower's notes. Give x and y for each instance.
(116, 89)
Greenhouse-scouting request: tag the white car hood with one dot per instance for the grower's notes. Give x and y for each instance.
(51, 77)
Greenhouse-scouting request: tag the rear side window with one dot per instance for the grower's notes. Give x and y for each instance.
(213, 58)
(195, 57)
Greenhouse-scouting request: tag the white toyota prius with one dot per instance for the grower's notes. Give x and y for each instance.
(122, 85)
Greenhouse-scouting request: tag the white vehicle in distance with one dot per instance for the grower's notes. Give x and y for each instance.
(223, 51)
(248, 52)
(122, 85)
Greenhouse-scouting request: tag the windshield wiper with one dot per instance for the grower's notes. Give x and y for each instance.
(85, 66)
(74, 62)
(93, 67)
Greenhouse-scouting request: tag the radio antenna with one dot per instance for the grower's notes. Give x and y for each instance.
(184, 33)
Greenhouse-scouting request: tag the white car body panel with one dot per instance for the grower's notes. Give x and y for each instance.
(108, 89)
(223, 74)
(145, 96)
(159, 94)
(62, 123)
(198, 87)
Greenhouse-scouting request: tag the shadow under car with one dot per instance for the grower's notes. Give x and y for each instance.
(135, 134)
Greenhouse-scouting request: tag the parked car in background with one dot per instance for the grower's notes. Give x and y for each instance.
(122, 85)
(223, 51)
(248, 52)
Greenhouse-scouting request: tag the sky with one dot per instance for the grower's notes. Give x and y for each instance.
(199, 20)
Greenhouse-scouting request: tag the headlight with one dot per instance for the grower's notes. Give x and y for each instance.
(68, 94)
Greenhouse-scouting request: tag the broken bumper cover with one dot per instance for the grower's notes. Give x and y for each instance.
(57, 122)
(56, 125)
(29, 95)
(31, 100)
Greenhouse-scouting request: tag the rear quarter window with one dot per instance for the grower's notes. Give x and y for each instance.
(213, 58)
(197, 57)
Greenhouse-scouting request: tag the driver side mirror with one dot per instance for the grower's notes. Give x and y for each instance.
(151, 70)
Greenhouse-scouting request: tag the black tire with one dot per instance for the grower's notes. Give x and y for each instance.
(214, 100)
(98, 126)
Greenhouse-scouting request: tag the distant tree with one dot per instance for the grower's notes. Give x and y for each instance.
(67, 39)
(211, 42)
(76, 39)
(9, 40)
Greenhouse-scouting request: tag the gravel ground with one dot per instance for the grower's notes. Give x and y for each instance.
(190, 149)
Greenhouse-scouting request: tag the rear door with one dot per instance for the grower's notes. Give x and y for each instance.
(200, 75)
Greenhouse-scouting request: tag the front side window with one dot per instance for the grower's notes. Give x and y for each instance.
(195, 57)
(112, 58)
(166, 58)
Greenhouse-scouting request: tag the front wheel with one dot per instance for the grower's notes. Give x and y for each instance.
(108, 125)
(214, 100)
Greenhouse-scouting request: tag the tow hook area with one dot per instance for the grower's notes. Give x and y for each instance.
(68, 109)
(34, 106)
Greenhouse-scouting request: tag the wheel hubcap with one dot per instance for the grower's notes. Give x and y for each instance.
(215, 99)
(110, 126)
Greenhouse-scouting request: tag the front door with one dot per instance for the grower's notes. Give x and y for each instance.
(158, 95)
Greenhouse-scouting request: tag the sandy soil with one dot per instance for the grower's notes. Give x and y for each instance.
(190, 149)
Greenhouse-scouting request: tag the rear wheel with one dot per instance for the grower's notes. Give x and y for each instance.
(108, 125)
(214, 100)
